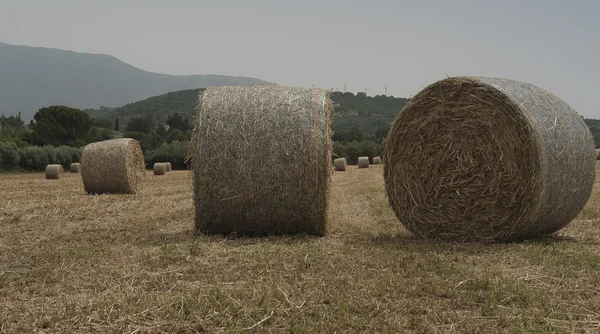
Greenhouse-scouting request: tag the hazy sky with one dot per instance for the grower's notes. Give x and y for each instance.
(405, 45)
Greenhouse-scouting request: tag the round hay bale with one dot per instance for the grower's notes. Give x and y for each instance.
(484, 159)
(340, 164)
(75, 167)
(113, 166)
(376, 161)
(363, 162)
(597, 154)
(169, 167)
(160, 168)
(269, 149)
(53, 172)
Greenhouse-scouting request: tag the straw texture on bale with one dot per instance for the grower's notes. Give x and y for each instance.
(113, 166)
(160, 168)
(261, 157)
(484, 159)
(376, 161)
(340, 164)
(75, 167)
(363, 162)
(53, 172)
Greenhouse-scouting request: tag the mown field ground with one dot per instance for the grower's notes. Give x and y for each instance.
(71, 262)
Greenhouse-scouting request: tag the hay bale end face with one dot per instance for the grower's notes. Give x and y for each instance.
(363, 162)
(160, 168)
(75, 167)
(53, 172)
(484, 159)
(113, 166)
(261, 157)
(376, 161)
(340, 164)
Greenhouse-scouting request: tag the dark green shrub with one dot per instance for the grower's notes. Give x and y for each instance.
(175, 153)
(9, 156)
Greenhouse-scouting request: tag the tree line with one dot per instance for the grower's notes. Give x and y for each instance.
(57, 133)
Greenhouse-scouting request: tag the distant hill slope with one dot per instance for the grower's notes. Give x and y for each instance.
(159, 107)
(32, 77)
(366, 113)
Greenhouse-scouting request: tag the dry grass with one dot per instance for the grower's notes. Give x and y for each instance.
(72, 262)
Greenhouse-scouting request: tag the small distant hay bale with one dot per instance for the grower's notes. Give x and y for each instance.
(261, 157)
(113, 166)
(160, 168)
(597, 154)
(376, 161)
(53, 172)
(340, 164)
(487, 160)
(169, 167)
(75, 167)
(363, 162)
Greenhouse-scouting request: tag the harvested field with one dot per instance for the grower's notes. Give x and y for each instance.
(124, 263)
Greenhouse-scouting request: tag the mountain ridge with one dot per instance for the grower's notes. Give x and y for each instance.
(35, 77)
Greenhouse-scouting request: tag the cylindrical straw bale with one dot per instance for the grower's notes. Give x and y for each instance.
(160, 168)
(169, 166)
(363, 162)
(484, 159)
(53, 172)
(261, 157)
(113, 166)
(340, 164)
(75, 167)
(376, 161)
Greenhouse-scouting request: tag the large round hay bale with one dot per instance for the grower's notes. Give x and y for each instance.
(340, 164)
(363, 162)
(376, 161)
(483, 159)
(261, 157)
(113, 166)
(75, 167)
(53, 172)
(160, 168)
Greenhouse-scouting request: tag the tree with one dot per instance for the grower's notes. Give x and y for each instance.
(175, 121)
(355, 134)
(141, 124)
(176, 135)
(382, 132)
(102, 123)
(62, 125)
(148, 141)
(117, 124)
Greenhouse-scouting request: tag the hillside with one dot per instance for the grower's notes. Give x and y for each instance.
(159, 107)
(366, 113)
(32, 78)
